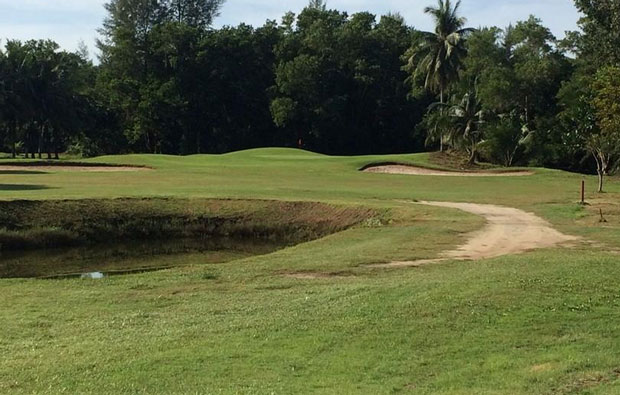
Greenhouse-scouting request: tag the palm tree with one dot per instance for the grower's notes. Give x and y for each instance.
(439, 56)
(468, 117)
(463, 121)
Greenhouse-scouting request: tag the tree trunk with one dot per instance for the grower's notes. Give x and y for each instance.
(13, 140)
(441, 131)
(48, 145)
(40, 148)
(473, 156)
(601, 169)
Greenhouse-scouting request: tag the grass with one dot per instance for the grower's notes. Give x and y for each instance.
(541, 322)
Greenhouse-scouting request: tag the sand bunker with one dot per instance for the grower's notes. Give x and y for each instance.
(35, 168)
(508, 231)
(420, 171)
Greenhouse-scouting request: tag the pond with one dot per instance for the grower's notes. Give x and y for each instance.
(95, 262)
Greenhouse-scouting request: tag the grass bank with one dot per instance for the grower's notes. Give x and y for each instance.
(52, 223)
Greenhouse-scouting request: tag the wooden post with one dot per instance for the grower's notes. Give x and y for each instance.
(583, 191)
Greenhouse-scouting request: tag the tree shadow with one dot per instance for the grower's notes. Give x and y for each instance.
(22, 172)
(22, 187)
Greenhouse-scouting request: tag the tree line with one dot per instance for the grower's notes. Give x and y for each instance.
(323, 80)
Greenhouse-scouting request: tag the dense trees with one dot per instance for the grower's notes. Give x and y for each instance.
(41, 95)
(588, 100)
(339, 84)
(604, 144)
(324, 80)
(518, 72)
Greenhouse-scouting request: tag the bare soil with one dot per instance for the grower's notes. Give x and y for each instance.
(317, 275)
(421, 171)
(508, 231)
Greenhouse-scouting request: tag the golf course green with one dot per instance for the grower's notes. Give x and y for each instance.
(319, 314)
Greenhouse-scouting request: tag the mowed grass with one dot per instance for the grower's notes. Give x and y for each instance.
(540, 322)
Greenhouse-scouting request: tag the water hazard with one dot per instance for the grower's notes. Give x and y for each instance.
(97, 262)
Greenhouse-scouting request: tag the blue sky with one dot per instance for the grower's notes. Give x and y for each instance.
(69, 21)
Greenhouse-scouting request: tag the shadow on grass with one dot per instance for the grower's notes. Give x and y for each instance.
(22, 172)
(22, 187)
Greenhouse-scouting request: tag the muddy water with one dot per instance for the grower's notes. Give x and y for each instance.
(96, 262)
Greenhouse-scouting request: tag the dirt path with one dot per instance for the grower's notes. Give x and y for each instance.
(35, 168)
(508, 231)
(420, 171)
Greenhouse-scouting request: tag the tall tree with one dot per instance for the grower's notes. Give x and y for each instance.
(601, 32)
(339, 83)
(148, 48)
(467, 118)
(194, 13)
(438, 56)
(518, 72)
(605, 144)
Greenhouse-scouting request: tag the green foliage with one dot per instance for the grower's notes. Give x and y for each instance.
(503, 138)
(339, 87)
(516, 71)
(468, 118)
(43, 96)
(600, 40)
(607, 101)
(604, 144)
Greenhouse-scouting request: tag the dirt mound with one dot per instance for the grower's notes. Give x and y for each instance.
(421, 171)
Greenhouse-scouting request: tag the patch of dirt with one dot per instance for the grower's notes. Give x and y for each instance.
(508, 231)
(421, 171)
(591, 380)
(453, 159)
(317, 275)
(76, 168)
(543, 367)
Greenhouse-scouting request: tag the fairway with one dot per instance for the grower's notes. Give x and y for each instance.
(322, 316)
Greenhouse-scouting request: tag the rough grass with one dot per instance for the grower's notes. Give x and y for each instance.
(540, 322)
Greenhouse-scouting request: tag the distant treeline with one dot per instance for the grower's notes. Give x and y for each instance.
(323, 80)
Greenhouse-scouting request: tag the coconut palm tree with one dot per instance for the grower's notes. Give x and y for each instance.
(468, 117)
(463, 121)
(438, 56)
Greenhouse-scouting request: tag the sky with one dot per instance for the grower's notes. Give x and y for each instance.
(70, 21)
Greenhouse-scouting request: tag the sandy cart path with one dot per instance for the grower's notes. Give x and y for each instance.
(508, 231)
